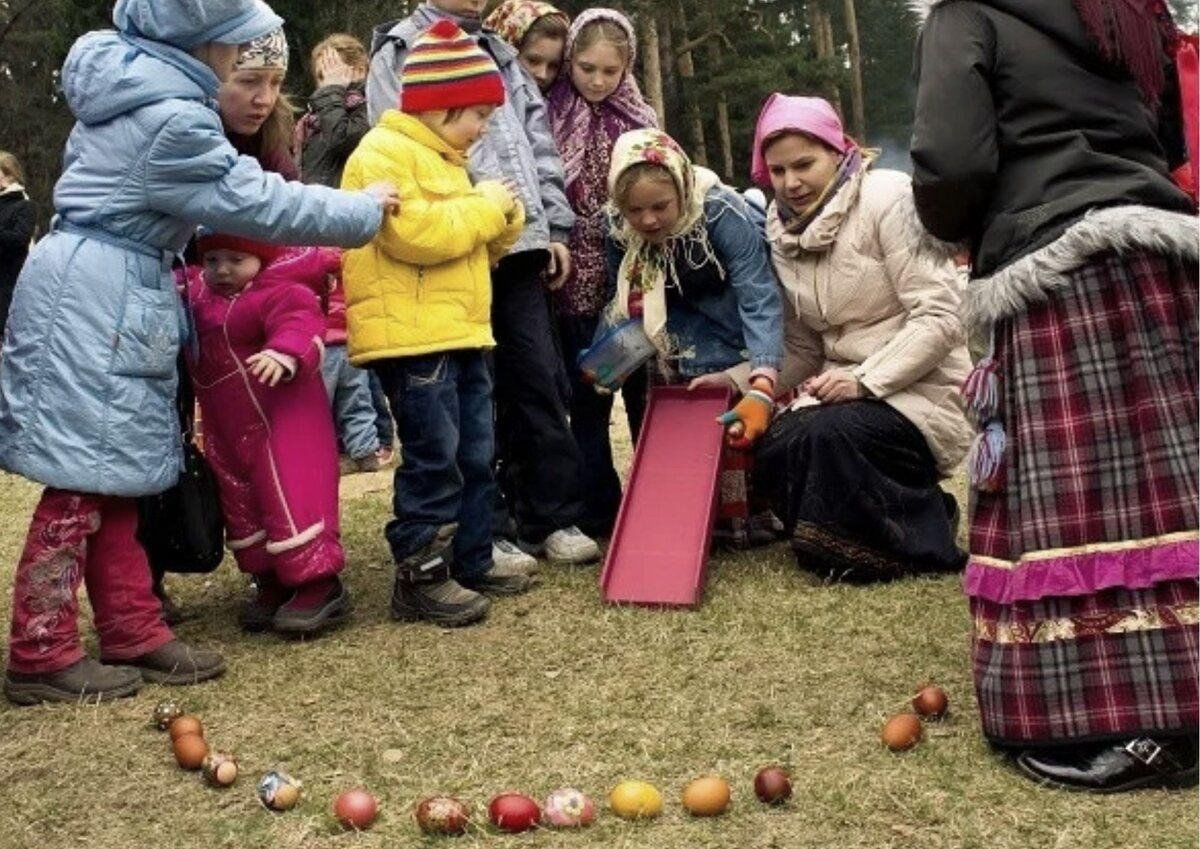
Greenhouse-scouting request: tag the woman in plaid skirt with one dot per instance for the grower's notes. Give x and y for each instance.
(1044, 136)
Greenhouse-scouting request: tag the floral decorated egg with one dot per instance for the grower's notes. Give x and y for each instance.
(568, 808)
(278, 791)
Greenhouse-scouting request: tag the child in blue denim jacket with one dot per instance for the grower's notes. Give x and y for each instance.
(686, 254)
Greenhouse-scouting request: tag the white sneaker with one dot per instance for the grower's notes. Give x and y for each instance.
(508, 556)
(570, 546)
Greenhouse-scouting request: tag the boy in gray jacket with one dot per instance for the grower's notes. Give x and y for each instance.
(540, 460)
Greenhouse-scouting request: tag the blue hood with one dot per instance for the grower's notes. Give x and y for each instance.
(186, 23)
(107, 74)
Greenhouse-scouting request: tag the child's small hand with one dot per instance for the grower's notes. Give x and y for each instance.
(266, 368)
(498, 192)
(386, 196)
(332, 70)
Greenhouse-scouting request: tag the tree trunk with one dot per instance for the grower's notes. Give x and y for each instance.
(835, 92)
(856, 81)
(652, 79)
(687, 72)
(724, 134)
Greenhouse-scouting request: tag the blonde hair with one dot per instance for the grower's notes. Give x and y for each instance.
(349, 48)
(634, 174)
(10, 166)
(278, 130)
(604, 32)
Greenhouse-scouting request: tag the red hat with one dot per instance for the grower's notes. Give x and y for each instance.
(446, 69)
(268, 253)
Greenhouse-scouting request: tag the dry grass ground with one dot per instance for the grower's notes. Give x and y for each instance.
(558, 690)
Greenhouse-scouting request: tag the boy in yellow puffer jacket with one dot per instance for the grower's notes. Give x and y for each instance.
(418, 304)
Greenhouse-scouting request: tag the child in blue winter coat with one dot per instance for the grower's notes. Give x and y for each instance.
(88, 368)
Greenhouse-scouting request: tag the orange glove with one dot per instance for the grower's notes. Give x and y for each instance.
(749, 419)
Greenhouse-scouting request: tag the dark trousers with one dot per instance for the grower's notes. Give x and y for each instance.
(443, 406)
(591, 414)
(384, 426)
(539, 460)
(857, 488)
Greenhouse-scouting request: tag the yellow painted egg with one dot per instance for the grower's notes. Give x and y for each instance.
(635, 800)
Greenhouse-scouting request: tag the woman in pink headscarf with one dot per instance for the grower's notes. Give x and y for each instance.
(874, 351)
(593, 102)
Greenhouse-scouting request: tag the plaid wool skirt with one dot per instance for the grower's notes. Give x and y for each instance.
(1083, 572)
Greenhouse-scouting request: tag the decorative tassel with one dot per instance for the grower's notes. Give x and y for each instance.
(985, 462)
(981, 390)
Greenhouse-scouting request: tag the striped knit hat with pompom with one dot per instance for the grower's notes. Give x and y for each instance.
(446, 69)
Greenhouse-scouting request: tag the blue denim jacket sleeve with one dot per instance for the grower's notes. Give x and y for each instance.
(742, 250)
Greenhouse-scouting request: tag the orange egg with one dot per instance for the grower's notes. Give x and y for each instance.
(707, 796)
(901, 732)
(186, 724)
(190, 750)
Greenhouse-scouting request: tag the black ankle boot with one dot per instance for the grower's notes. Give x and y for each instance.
(1114, 767)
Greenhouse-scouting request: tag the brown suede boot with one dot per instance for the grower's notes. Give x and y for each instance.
(83, 681)
(178, 663)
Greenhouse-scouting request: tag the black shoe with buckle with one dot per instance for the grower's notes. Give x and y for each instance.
(1114, 768)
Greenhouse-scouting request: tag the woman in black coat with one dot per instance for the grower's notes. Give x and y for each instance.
(17, 220)
(1044, 135)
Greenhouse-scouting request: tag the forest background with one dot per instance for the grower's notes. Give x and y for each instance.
(706, 65)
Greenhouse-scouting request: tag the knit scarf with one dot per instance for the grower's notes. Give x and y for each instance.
(649, 268)
(797, 222)
(512, 19)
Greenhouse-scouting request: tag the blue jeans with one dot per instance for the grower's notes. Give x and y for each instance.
(350, 393)
(443, 407)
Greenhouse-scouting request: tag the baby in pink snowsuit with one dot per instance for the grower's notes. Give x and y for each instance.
(256, 366)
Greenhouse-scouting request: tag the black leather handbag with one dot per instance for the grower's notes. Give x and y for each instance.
(182, 529)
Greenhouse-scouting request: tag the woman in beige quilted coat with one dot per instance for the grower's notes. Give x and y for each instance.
(875, 354)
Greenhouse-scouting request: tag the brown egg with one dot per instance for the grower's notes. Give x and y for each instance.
(901, 732)
(931, 702)
(186, 724)
(190, 750)
(707, 796)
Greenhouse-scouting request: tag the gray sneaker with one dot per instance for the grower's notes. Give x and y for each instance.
(568, 546)
(505, 553)
(84, 680)
(501, 579)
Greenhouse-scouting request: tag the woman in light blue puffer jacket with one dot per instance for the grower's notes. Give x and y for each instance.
(87, 370)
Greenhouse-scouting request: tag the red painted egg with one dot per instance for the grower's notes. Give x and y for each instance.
(355, 809)
(773, 785)
(514, 812)
(931, 702)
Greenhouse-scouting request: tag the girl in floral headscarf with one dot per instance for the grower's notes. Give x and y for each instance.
(538, 31)
(687, 255)
(594, 100)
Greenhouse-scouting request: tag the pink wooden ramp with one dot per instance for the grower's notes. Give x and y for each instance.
(659, 546)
